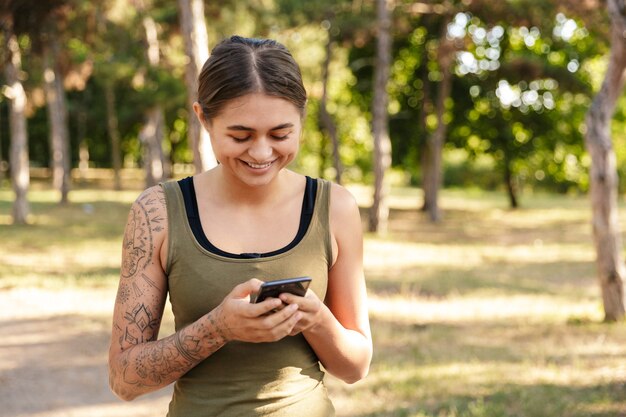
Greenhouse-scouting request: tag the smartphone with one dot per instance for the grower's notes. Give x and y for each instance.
(297, 286)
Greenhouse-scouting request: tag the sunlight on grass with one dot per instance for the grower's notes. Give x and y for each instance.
(491, 312)
(26, 302)
(403, 254)
(63, 258)
(482, 309)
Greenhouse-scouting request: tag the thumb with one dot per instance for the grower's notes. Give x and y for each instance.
(246, 288)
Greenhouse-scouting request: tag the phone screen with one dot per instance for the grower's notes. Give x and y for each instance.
(297, 286)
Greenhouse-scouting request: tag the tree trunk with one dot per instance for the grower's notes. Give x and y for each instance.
(325, 119)
(425, 158)
(18, 158)
(3, 163)
(603, 173)
(114, 134)
(57, 117)
(151, 135)
(379, 212)
(194, 34)
(433, 169)
(509, 181)
(83, 148)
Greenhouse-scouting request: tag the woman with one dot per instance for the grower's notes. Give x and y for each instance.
(212, 239)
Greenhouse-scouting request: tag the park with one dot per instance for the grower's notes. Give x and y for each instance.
(489, 184)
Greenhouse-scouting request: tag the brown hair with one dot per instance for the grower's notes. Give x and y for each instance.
(239, 66)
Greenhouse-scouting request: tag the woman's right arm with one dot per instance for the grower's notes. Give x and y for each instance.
(138, 362)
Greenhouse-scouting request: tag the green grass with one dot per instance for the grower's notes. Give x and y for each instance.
(78, 243)
(493, 312)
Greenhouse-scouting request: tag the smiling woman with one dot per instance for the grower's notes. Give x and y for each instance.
(209, 241)
(254, 137)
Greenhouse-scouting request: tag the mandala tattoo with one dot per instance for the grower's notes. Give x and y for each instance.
(166, 359)
(141, 326)
(139, 240)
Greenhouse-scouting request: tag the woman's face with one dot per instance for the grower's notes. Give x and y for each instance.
(255, 136)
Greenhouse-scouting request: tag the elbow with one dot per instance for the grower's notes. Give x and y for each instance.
(355, 376)
(124, 396)
(118, 388)
(356, 372)
(122, 393)
(360, 369)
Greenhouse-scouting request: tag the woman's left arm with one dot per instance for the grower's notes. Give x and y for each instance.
(338, 329)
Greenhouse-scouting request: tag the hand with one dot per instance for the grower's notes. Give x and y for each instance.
(310, 308)
(237, 319)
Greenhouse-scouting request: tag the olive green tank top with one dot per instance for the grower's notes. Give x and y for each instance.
(246, 379)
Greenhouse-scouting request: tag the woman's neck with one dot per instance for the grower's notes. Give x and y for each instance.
(231, 190)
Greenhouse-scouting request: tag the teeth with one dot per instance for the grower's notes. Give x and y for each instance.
(259, 166)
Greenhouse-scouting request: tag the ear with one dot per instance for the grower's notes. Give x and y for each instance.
(197, 109)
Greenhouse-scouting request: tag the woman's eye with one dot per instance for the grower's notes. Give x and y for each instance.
(283, 137)
(238, 139)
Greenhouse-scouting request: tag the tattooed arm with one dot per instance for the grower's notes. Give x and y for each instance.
(138, 362)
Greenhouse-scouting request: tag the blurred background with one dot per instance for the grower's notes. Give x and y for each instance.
(482, 140)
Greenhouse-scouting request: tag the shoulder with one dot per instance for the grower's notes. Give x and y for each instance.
(345, 217)
(346, 229)
(148, 213)
(151, 202)
(342, 202)
(154, 195)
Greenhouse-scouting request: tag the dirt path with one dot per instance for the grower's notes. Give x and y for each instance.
(53, 353)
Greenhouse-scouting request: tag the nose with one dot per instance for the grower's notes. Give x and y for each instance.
(261, 149)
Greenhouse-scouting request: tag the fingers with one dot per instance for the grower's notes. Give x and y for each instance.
(310, 302)
(244, 289)
(267, 306)
(277, 325)
(285, 316)
(283, 322)
(310, 308)
(267, 321)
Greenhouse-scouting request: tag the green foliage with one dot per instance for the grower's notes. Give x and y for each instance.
(525, 73)
(528, 112)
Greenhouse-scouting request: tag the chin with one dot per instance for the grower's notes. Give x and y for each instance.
(254, 180)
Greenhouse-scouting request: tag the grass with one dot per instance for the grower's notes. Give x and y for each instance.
(78, 243)
(493, 312)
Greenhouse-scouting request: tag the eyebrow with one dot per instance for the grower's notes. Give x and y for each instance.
(249, 129)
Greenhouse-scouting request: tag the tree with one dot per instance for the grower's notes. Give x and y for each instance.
(337, 22)
(57, 110)
(108, 72)
(432, 171)
(113, 133)
(603, 175)
(193, 28)
(379, 212)
(152, 133)
(20, 177)
(325, 118)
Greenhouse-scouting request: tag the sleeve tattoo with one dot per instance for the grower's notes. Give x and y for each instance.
(143, 221)
(159, 362)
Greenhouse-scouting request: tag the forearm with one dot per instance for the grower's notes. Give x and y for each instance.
(345, 353)
(149, 366)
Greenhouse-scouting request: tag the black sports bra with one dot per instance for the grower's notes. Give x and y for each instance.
(191, 207)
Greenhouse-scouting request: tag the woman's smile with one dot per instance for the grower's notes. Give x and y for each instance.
(255, 165)
(255, 136)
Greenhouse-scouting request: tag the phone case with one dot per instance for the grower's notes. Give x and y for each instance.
(297, 286)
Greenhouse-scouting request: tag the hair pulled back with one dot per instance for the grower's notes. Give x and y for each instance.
(239, 66)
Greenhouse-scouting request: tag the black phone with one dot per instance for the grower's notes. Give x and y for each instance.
(297, 286)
